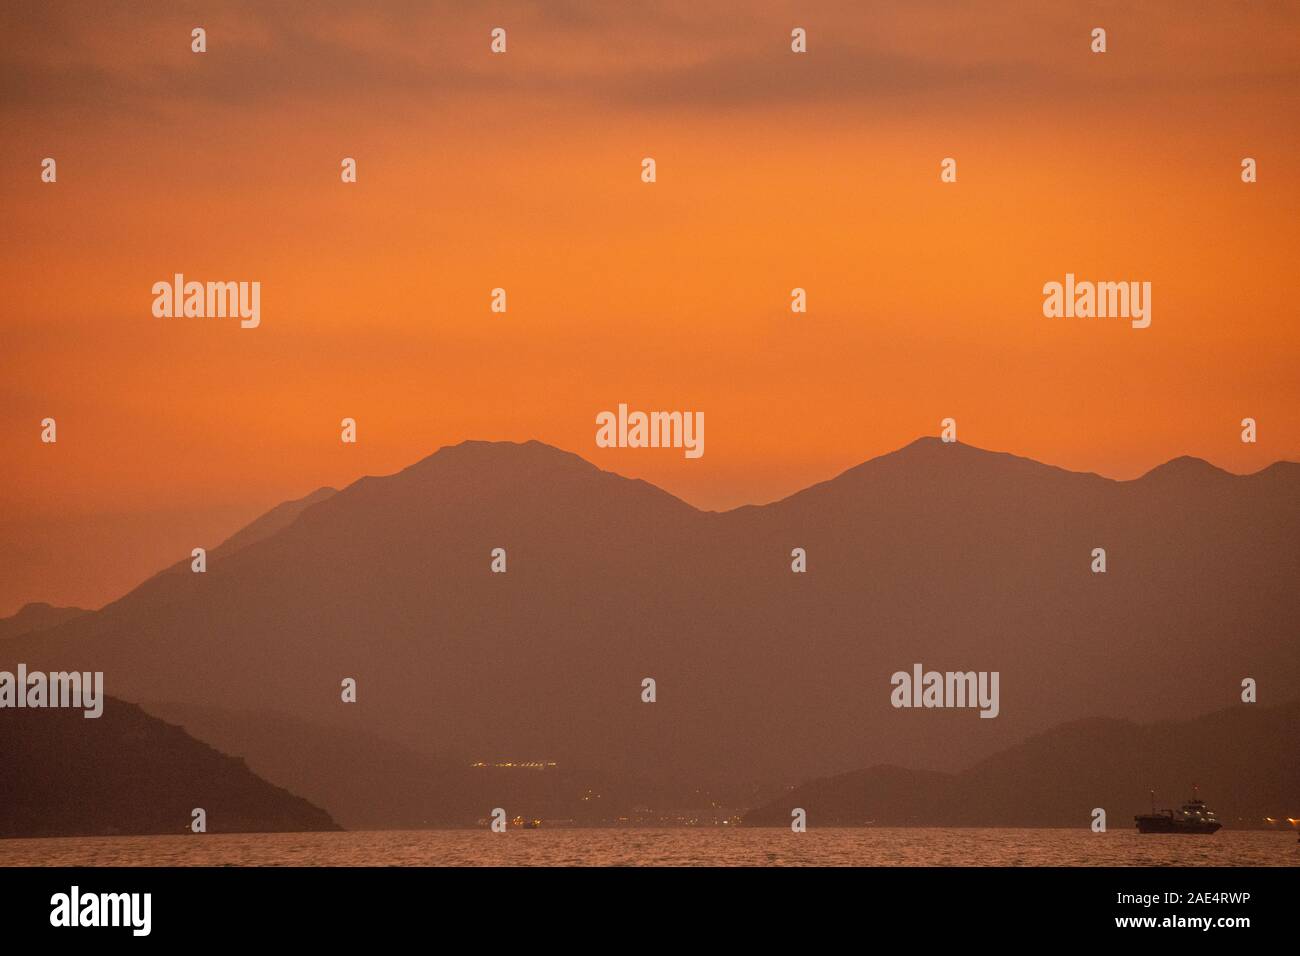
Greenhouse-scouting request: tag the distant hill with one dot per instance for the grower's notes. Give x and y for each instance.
(368, 782)
(126, 772)
(1243, 758)
(365, 781)
(274, 521)
(259, 529)
(37, 616)
(943, 554)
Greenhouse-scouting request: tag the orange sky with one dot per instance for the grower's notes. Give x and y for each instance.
(522, 171)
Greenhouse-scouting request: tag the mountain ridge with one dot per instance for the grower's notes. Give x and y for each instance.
(1056, 777)
(37, 616)
(763, 674)
(280, 516)
(127, 772)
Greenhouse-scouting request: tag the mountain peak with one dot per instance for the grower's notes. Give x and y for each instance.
(475, 451)
(931, 458)
(1186, 467)
(502, 475)
(930, 449)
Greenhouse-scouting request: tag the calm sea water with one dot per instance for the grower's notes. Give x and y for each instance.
(680, 847)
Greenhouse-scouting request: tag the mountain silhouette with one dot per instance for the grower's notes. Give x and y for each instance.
(943, 554)
(36, 616)
(126, 772)
(368, 782)
(1243, 759)
(278, 518)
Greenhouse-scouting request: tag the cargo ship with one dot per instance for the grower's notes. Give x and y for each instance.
(1194, 817)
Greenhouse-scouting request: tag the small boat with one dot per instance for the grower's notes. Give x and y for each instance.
(1194, 817)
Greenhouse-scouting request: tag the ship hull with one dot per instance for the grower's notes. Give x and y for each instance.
(1162, 824)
